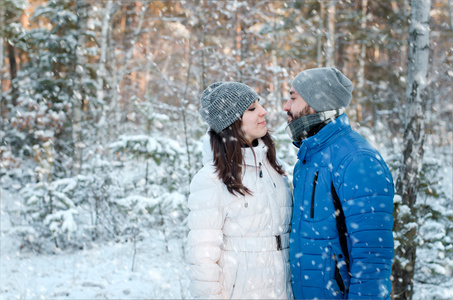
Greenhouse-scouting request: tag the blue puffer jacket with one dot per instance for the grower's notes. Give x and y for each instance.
(363, 182)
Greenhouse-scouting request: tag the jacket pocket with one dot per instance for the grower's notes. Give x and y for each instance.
(312, 208)
(338, 278)
(239, 282)
(334, 283)
(234, 283)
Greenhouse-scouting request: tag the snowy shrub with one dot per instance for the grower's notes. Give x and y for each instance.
(49, 209)
(435, 215)
(29, 238)
(61, 223)
(152, 196)
(157, 160)
(120, 199)
(161, 210)
(100, 218)
(157, 148)
(75, 211)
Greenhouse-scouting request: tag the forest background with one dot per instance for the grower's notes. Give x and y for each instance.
(100, 132)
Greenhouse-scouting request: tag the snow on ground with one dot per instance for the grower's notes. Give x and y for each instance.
(102, 272)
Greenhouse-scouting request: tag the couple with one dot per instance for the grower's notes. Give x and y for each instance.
(248, 239)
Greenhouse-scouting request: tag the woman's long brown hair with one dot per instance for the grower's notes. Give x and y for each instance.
(228, 160)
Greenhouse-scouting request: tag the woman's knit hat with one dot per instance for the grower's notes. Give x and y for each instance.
(323, 88)
(222, 103)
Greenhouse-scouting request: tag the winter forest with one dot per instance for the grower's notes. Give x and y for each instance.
(100, 131)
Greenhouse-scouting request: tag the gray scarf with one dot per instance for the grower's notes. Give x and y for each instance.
(301, 127)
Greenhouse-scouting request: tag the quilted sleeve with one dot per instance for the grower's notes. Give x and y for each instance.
(205, 220)
(367, 194)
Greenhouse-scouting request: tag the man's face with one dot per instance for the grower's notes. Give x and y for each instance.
(296, 107)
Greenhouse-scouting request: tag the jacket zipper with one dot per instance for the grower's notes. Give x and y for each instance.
(315, 182)
(270, 177)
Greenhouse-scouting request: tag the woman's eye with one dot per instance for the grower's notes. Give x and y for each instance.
(251, 109)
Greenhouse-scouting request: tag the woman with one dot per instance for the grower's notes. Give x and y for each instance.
(240, 203)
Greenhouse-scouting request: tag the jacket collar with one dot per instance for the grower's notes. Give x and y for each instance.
(326, 136)
(260, 153)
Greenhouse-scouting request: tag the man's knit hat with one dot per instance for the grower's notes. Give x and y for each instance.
(222, 103)
(323, 88)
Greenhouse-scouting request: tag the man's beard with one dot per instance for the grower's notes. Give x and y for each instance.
(302, 113)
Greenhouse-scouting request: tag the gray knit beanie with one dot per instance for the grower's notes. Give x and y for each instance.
(323, 88)
(222, 103)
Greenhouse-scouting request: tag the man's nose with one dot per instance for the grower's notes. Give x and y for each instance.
(287, 106)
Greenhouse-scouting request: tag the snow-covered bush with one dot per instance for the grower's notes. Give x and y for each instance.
(154, 196)
(434, 262)
(49, 210)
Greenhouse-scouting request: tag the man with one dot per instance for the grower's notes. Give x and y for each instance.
(341, 243)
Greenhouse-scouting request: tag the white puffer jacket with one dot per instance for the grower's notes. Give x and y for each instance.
(238, 246)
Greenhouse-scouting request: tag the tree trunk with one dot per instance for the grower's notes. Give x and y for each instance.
(201, 48)
(320, 34)
(2, 42)
(414, 134)
(330, 49)
(362, 58)
(113, 114)
(183, 107)
(203, 67)
(450, 14)
(79, 92)
(238, 41)
(276, 87)
(13, 72)
(102, 71)
(132, 9)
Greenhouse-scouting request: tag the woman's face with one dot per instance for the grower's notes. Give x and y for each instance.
(253, 122)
